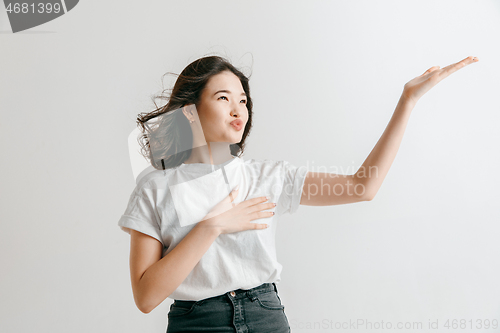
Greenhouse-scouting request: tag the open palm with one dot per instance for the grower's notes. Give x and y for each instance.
(417, 87)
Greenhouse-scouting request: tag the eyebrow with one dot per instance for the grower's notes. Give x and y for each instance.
(227, 91)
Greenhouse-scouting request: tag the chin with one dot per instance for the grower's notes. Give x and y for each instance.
(230, 140)
(235, 138)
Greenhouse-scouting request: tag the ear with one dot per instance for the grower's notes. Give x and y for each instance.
(188, 112)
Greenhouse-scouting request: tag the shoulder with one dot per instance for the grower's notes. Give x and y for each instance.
(267, 163)
(271, 167)
(261, 162)
(156, 179)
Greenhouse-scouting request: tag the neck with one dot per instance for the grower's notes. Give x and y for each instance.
(212, 153)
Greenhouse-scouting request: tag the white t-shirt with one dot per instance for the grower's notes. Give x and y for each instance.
(166, 205)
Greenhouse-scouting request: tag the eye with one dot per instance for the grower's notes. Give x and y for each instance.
(243, 100)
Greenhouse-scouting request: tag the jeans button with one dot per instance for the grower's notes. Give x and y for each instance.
(232, 293)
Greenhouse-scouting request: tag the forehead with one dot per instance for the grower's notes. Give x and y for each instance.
(224, 80)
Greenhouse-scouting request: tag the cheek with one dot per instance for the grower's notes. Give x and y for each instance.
(213, 123)
(208, 118)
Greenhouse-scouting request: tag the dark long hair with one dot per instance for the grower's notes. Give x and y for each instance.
(187, 90)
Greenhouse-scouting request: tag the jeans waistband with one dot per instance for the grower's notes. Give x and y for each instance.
(238, 293)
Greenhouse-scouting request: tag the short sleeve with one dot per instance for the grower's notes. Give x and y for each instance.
(141, 215)
(293, 182)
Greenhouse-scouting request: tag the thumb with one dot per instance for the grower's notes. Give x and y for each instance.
(430, 70)
(233, 194)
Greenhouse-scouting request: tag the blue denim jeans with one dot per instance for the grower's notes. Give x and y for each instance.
(242, 311)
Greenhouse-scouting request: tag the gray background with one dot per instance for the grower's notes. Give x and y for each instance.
(327, 76)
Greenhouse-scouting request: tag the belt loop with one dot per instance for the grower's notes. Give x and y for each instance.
(251, 295)
(275, 288)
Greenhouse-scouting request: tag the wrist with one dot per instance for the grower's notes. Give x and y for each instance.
(209, 225)
(407, 100)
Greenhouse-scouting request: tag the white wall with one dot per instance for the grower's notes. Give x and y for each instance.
(326, 78)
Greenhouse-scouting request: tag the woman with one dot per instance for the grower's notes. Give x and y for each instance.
(220, 267)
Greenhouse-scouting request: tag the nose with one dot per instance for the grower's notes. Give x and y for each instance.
(235, 114)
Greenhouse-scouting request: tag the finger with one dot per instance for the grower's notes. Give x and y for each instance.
(264, 206)
(456, 66)
(261, 207)
(433, 68)
(260, 215)
(234, 191)
(254, 201)
(233, 194)
(258, 226)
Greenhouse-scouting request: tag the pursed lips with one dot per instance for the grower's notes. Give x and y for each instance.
(237, 124)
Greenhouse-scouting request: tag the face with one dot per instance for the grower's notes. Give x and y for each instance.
(222, 102)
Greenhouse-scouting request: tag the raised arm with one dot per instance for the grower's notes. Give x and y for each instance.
(325, 189)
